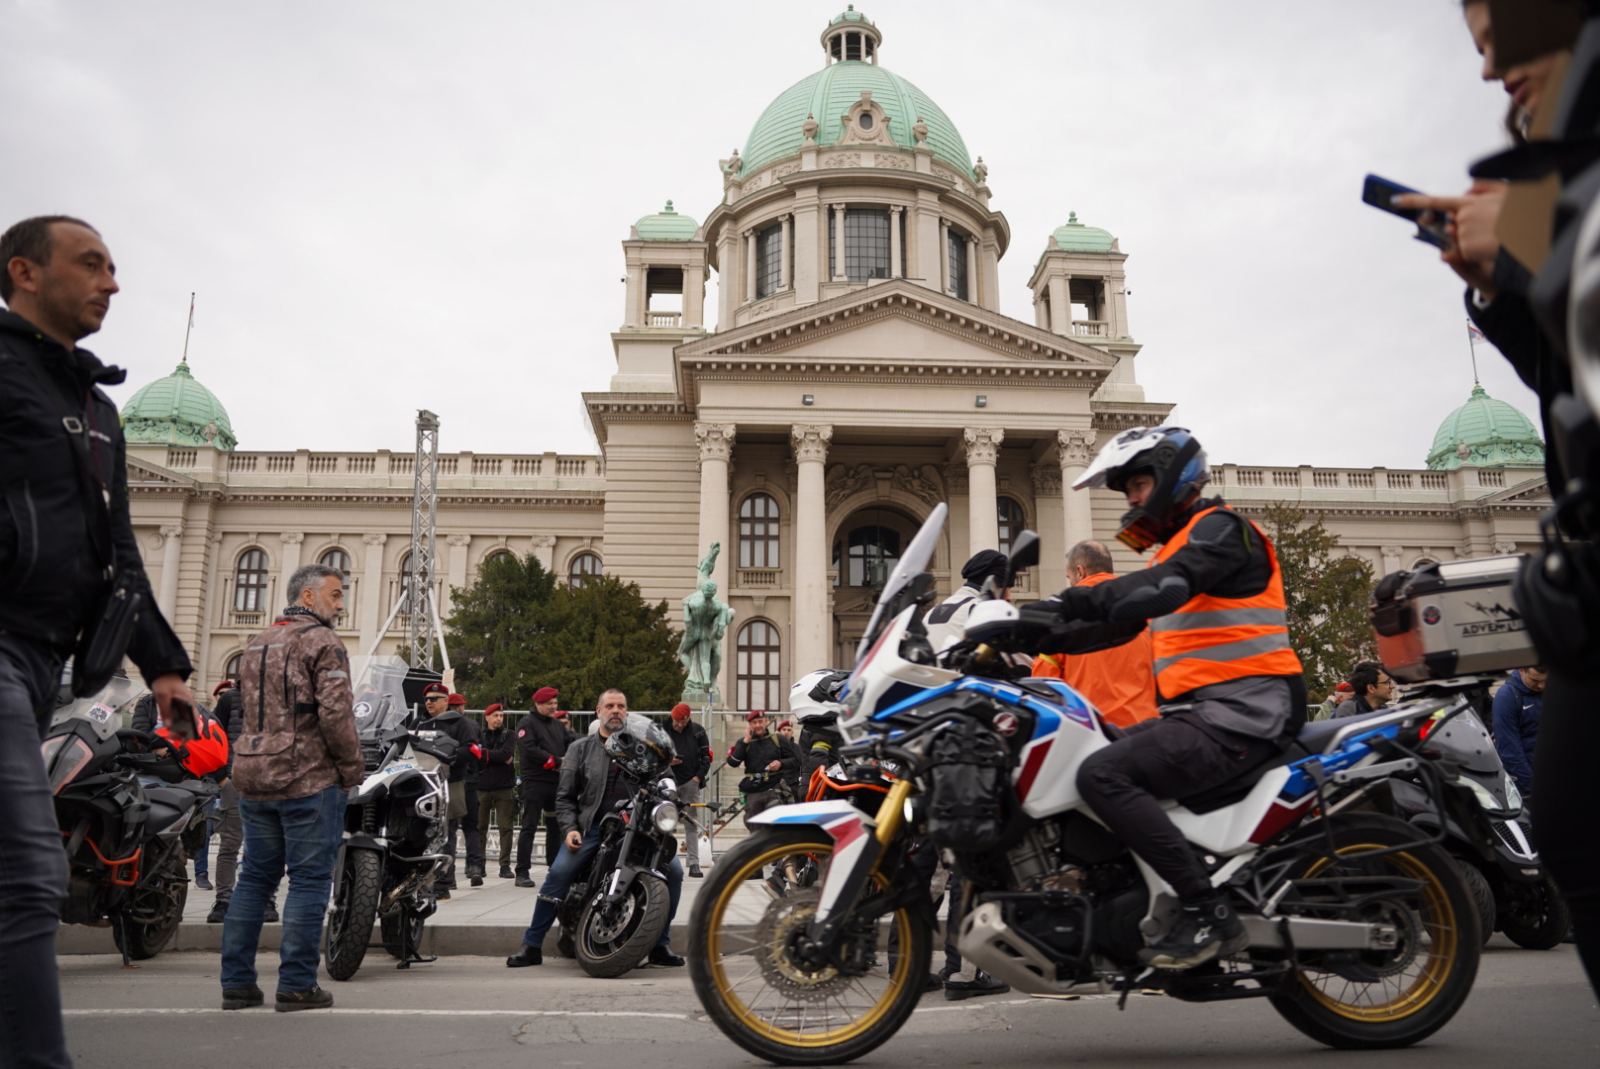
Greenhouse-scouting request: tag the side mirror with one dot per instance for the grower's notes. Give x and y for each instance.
(1024, 554)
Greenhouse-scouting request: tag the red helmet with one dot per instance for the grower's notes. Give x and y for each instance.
(207, 751)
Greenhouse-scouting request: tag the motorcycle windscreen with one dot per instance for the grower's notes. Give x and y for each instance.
(380, 701)
(913, 562)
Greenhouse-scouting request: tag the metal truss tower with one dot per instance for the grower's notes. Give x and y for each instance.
(421, 613)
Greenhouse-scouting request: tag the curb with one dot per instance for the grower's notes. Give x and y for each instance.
(446, 940)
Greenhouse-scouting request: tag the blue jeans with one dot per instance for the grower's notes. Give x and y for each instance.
(33, 866)
(303, 836)
(558, 881)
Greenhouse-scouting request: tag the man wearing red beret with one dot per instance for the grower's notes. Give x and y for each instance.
(689, 768)
(457, 703)
(541, 743)
(497, 783)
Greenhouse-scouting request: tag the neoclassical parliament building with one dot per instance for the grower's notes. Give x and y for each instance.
(856, 371)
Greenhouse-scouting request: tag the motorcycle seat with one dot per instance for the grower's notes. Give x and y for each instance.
(1317, 734)
(1235, 790)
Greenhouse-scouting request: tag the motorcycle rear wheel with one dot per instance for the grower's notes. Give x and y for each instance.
(1378, 999)
(769, 1003)
(1536, 916)
(609, 954)
(165, 899)
(349, 927)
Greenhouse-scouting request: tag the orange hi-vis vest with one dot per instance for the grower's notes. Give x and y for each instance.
(1214, 640)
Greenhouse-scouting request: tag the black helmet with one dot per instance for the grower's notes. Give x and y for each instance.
(1171, 455)
(642, 749)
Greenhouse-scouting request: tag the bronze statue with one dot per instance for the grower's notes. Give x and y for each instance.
(705, 622)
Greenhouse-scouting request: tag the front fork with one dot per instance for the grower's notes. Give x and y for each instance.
(844, 884)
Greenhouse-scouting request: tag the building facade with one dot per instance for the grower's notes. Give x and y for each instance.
(857, 372)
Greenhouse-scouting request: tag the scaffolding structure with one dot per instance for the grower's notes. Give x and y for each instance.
(421, 614)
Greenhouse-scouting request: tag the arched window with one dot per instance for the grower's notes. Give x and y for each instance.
(758, 675)
(230, 670)
(250, 581)
(495, 555)
(337, 559)
(758, 532)
(769, 260)
(584, 567)
(870, 553)
(1009, 514)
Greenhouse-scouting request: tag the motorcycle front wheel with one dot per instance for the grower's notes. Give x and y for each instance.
(743, 935)
(349, 927)
(1535, 916)
(1372, 999)
(608, 947)
(154, 913)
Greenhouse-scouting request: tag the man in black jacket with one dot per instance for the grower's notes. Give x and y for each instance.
(768, 764)
(689, 770)
(443, 719)
(541, 743)
(497, 782)
(64, 535)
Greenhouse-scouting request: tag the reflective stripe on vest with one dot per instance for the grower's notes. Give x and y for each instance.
(1214, 639)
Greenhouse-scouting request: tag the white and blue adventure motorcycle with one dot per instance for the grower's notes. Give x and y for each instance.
(1362, 932)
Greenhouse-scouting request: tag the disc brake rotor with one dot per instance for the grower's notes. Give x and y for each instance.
(1373, 965)
(609, 932)
(780, 926)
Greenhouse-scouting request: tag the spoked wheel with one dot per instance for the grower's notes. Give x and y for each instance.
(756, 980)
(349, 927)
(1395, 996)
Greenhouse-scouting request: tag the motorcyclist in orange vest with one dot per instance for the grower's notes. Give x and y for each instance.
(1227, 680)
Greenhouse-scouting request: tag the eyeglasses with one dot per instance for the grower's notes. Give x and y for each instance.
(435, 698)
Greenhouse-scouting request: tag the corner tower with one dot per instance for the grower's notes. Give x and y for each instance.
(1080, 291)
(665, 299)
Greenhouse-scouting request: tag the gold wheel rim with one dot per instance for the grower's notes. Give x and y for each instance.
(745, 1012)
(1403, 997)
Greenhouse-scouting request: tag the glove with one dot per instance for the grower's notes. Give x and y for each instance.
(476, 751)
(549, 763)
(1040, 615)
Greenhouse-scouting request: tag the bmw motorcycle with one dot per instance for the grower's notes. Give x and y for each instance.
(130, 817)
(1482, 824)
(1362, 931)
(393, 846)
(617, 909)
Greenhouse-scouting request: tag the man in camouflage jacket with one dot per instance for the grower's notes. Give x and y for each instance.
(294, 764)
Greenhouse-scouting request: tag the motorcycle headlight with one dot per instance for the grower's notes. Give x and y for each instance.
(1486, 798)
(665, 817)
(1513, 796)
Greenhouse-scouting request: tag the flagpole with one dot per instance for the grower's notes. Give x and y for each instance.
(187, 330)
(1472, 347)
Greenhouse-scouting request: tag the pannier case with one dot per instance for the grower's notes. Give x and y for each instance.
(1451, 619)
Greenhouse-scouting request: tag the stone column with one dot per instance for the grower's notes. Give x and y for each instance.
(896, 213)
(974, 281)
(727, 278)
(291, 561)
(457, 572)
(944, 255)
(839, 272)
(694, 296)
(1060, 306)
(810, 255)
(371, 617)
(171, 549)
(1049, 515)
(812, 643)
(982, 445)
(749, 265)
(784, 257)
(716, 449)
(633, 315)
(1077, 448)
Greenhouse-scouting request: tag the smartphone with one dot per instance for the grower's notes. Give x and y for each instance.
(1380, 193)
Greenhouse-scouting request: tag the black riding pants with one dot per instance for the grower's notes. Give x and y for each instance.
(1168, 758)
(538, 804)
(1564, 803)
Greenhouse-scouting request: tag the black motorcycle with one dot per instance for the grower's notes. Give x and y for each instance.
(1483, 825)
(393, 848)
(617, 909)
(130, 817)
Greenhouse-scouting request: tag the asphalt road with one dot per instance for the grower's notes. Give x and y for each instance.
(1528, 1009)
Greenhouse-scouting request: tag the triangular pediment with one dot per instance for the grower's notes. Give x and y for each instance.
(898, 325)
(144, 473)
(1536, 489)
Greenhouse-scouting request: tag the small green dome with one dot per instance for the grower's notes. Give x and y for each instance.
(1485, 433)
(1073, 236)
(666, 225)
(826, 95)
(849, 14)
(177, 410)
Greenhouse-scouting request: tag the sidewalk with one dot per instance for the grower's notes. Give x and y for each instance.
(475, 920)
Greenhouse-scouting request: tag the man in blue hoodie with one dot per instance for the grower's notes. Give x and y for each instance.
(1516, 724)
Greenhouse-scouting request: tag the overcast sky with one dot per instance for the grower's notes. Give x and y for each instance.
(390, 205)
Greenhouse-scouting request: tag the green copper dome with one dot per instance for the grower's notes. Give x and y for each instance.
(826, 95)
(1485, 433)
(1073, 236)
(177, 410)
(849, 14)
(666, 225)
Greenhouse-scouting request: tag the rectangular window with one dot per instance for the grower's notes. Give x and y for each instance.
(956, 253)
(769, 260)
(866, 244)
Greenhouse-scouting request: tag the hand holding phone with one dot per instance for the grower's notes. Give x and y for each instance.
(1381, 194)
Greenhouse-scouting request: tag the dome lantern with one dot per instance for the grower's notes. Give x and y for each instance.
(851, 37)
(1485, 433)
